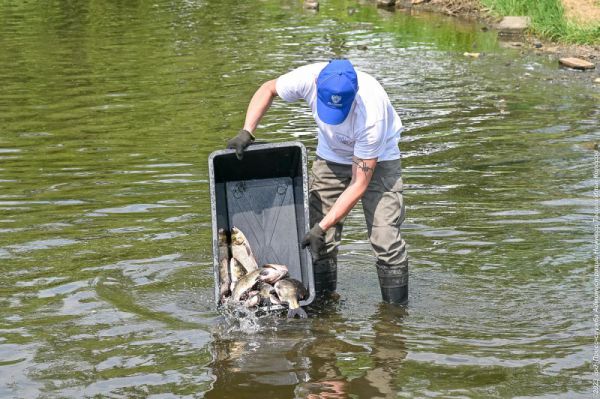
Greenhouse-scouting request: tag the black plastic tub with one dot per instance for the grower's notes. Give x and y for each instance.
(265, 195)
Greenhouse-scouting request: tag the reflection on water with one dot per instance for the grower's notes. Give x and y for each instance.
(324, 356)
(109, 111)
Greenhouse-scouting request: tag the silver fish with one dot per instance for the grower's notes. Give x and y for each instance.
(245, 284)
(240, 249)
(253, 299)
(271, 273)
(261, 295)
(264, 290)
(290, 291)
(224, 279)
(237, 272)
(264, 293)
(274, 298)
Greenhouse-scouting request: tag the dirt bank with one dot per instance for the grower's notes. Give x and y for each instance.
(583, 12)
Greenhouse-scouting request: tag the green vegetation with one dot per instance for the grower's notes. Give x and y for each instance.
(548, 19)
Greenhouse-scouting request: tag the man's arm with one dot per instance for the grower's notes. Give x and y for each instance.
(362, 172)
(260, 103)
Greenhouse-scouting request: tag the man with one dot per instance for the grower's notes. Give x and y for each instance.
(357, 158)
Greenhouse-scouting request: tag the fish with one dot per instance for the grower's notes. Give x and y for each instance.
(262, 294)
(253, 299)
(224, 279)
(245, 284)
(240, 249)
(237, 272)
(271, 273)
(273, 298)
(290, 291)
(264, 291)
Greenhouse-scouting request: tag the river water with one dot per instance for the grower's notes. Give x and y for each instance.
(108, 112)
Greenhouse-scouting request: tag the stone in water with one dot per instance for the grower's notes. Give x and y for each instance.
(513, 24)
(311, 5)
(386, 3)
(576, 63)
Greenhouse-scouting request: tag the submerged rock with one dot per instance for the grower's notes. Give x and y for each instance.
(386, 3)
(511, 44)
(311, 4)
(591, 145)
(576, 63)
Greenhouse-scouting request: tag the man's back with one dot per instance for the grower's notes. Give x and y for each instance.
(372, 128)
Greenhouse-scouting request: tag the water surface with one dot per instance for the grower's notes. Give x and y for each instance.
(108, 112)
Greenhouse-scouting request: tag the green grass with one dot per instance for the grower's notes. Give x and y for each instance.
(548, 19)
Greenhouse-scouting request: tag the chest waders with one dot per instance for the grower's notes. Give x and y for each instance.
(383, 207)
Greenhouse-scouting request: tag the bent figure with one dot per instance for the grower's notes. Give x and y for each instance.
(357, 158)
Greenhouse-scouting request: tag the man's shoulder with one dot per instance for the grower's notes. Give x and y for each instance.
(299, 82)
(369, 82)
(372, 100)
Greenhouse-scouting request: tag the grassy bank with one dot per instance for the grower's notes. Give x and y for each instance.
(548, 19)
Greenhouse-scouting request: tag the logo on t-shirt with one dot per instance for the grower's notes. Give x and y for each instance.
(344, 139)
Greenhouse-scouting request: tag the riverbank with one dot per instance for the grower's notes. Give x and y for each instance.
(537, 38)
(568, 21)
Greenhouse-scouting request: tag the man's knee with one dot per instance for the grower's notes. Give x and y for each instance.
(388, 245)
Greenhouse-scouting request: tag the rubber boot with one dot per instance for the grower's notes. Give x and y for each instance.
(325, 272)
(393, 281)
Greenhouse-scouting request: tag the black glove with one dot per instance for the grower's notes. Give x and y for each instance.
(239, 143)
(315, 238)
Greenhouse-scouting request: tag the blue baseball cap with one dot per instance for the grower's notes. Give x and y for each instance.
(337, 86)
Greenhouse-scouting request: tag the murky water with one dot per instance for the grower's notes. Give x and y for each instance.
(108, 112)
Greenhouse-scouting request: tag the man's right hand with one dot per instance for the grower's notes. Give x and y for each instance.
(239, 143)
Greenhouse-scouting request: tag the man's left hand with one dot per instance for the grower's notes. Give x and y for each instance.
(315, 238)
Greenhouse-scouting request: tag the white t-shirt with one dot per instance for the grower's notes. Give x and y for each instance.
(371, 130)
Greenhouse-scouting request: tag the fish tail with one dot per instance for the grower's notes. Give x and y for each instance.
(297, 312)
